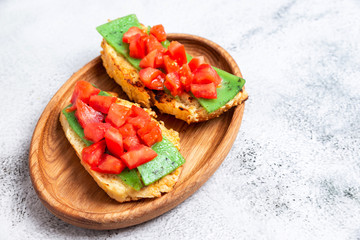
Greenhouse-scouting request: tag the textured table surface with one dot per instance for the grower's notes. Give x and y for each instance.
(294, 170)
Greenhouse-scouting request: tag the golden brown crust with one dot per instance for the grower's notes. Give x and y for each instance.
(185, 108)
(111, 183)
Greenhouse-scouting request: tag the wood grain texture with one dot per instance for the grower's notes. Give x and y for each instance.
(70, 193)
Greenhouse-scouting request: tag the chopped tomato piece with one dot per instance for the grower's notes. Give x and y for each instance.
(117, 115)
(86, 114)
(83, 90)
(159, 32)
(137, 46)
(153, 44)
(196, 62)
(91, 154)
(147, 128)
(96, 131)
(177, 52)
(138, 117)
(114, 141)
(138, 156)
(150, 134)
(149, 60)
(127, 130)
(204, 90)
(154, 59)
(152, 137)
(101, 103)
(137, 122)
(159, 59)
(152, 78)
(186, 76)
(206, 74)
(139, 112)
(172, 82)
(170, 65)
(131, 142)
(131, 34)
(109, 164)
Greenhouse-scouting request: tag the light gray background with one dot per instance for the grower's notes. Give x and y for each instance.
(294, 170)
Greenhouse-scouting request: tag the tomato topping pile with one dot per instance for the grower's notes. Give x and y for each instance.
(169, 67)
(122, 136)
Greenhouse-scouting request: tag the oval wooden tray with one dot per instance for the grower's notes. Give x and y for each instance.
(70, 193)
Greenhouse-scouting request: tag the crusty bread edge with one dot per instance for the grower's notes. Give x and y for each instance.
(111, 183)
(127, 77)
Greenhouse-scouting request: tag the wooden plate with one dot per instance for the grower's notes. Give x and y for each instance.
(70, 193)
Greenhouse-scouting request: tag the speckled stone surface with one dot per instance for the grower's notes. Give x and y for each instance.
(294, 170)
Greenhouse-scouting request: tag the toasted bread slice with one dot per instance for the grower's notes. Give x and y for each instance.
(111, 183)
(186, 107)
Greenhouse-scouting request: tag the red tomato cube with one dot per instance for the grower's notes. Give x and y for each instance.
(96, 131)
(152, 78)
(101, 103)
(117, 115)
(131, 142)
(159, 32)
(206, 74)
(83, 91)
(170, 64)
(132, 33)
(127, 130)
(137, 46)
(177, 52)
(138, 156)
(91, 154)
(196, 62)
(172, 82)
(109, 164)
(114, 141)
(186, 76)
(204, 90)
(86, 114)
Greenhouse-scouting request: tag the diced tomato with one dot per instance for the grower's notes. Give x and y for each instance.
(109, 164)
(137, 46)
(153, 44)
(86, 114)
(147, 128)
(196, 62)
(114, 141)
(139, 112)
(177, 52)
(117, 115)
(159, 59)
(101, 103)
(96, 131)
(207, 90)
(91, 154)
(131, 34)
(159, 32)
(149, 60)
(138, 156)
(83, 90)
(152, 78)
(206, 74)
(152, 137)
(131, 142)
(127, 130)
(154, 59)
(186, 76)
(172, 82)
(170, 65)
(150, 134)
(137, 122)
